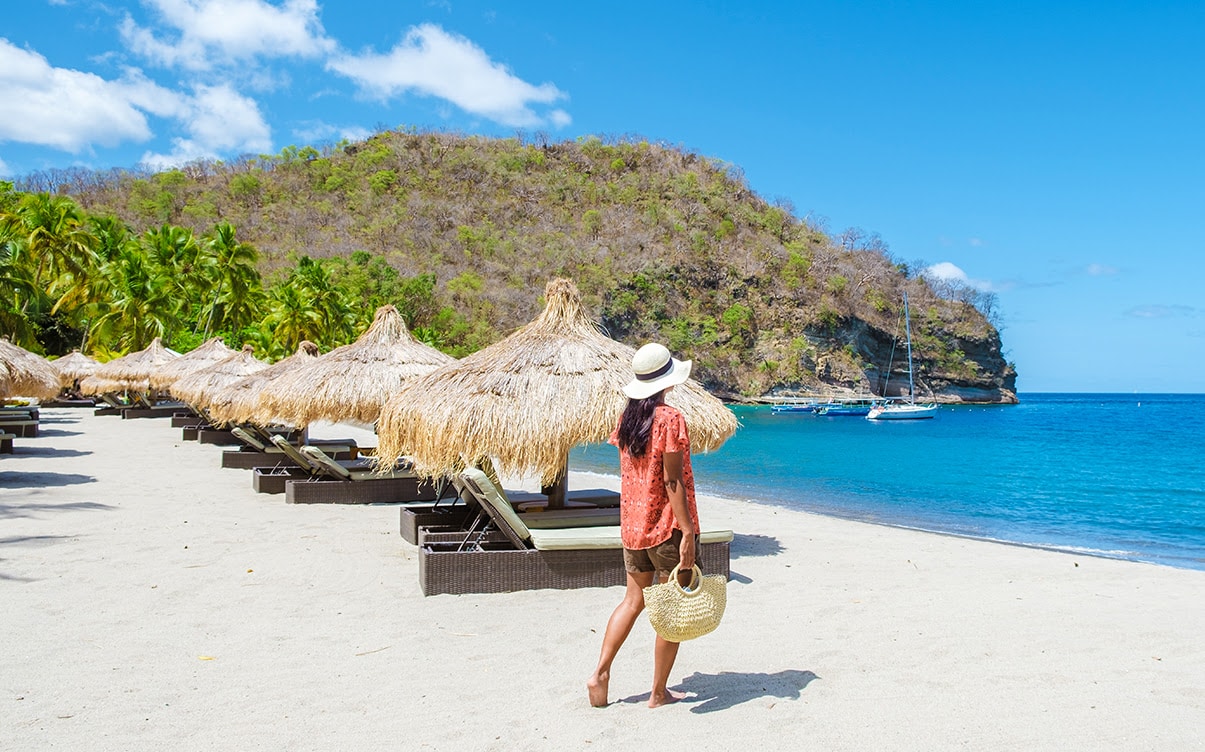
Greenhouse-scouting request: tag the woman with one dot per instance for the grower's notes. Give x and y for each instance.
(659, 523)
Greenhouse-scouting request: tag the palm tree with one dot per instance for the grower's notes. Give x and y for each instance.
(47, 238)
(237, 289)
(16, 290)
(141, 302)
(292, 318)
(56, 237)
(174, 252)
(338, 318)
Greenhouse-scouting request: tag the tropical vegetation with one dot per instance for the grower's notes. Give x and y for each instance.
(461, 233)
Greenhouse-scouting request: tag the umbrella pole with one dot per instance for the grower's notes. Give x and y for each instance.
(556, 491)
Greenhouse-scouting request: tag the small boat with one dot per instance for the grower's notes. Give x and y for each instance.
(905, 409)
(856, 407)
(795, 406)
(902, 411)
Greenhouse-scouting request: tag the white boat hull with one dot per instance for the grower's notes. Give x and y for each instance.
(902, 412)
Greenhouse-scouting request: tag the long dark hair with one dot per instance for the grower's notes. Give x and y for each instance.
(636, 425)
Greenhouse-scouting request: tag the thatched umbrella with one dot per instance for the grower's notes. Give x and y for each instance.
(74, 367)
(239, 402)
(199, 387)
(352, 383)
(210, 352)
(26, 374)
(129, 372)
(528, 399)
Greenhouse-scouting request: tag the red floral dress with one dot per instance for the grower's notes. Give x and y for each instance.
(646, 518)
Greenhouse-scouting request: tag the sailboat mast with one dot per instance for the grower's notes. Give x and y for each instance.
(908, 333)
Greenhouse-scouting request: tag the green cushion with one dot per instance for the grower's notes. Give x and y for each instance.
(576, 517)
(500, 508)
(577, 538)
(601, 537)
(370, 474)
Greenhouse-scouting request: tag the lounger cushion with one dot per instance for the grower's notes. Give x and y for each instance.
(582, 497)
(601, 537)
(499, 506)
(250, 440)
(367, 472)
(374, 475)
(543, 519)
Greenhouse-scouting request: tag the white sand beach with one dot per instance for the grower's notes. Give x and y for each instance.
(152, 600)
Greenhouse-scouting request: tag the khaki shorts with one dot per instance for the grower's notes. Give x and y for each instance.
(661, 558)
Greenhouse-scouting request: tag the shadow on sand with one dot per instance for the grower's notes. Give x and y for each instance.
(25, 450)
(31, 540)
(744, 544)
(42, 480)
(29, 509)
(26, 540)
(711, 692)
(55, 432)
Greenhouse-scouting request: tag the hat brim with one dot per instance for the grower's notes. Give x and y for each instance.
(679, 373)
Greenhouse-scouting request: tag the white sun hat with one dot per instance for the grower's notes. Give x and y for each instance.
(655, 370)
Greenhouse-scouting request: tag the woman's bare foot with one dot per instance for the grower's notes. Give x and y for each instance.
(657, 700)
(596, 686)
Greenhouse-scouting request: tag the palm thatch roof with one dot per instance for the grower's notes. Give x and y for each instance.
(352, 382)
(26, 374)
(74, 367)
(129, 372)
(212, 351)
(528, 399)
(239, 402)
(199, 387)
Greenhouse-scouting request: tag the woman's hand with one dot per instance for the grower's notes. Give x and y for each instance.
(686, 555)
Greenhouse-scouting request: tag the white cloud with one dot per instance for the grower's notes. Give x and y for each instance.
(1158, 311)
(72, 110)
(432, 62)
(951, 273)
(208, 34)
(1100, 270)
(218, 120)
(560, 118)
(318, 132)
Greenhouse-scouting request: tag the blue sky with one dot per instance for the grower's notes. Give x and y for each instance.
(1051, 153)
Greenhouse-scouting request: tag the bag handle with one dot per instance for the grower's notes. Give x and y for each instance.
(696, 577)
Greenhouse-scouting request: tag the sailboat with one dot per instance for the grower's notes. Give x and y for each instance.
(909, 409)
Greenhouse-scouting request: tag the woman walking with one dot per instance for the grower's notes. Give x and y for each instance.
(659, 523)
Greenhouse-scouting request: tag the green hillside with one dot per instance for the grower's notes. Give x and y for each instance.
(664, 244)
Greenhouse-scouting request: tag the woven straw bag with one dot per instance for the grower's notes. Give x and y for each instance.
(679, 614)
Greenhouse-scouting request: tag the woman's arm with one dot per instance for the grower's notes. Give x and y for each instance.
(675, 488)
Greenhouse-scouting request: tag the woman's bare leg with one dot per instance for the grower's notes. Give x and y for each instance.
(664, 655)
(618, 627)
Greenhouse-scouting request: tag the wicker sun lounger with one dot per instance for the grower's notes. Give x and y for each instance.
(255, 453)
(20, 421)
(589, 507)
(509, 555)
(341, 482)
(290, 465)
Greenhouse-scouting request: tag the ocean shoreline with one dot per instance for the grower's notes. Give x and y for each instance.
(612, 482)
(155, 601)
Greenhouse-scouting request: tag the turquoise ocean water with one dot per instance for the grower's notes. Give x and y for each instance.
(1118, 475)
